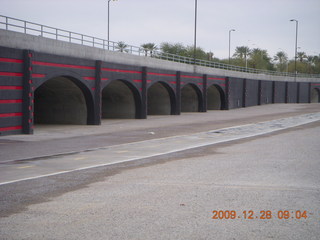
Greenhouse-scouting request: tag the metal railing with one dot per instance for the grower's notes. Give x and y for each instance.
(26, 27)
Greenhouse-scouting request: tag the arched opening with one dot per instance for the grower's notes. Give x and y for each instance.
(190, 99)
(119, 100)
(60, 100)
(215, 98)
(315, 95)
(160, 99)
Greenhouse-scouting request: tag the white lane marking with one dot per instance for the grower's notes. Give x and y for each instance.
(23, 167)
(272, 126)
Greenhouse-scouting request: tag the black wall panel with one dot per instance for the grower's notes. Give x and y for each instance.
(235, 93)
(251, 94)
(292, 92)
(279, 92)
(304, 92)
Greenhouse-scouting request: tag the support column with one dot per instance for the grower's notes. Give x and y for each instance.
(298, 92)
(97, 94)
(309, 91)
(142, 114)
(244, 93)
(287, 93)
(204, 93)
(178, 93)
(27, 94)
(259, 92)
(227, 107)
(273, 91)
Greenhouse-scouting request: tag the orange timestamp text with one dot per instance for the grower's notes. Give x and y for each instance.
(262, 214)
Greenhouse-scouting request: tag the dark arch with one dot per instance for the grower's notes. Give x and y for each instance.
(120, 99)
(315, 95)
(161, 99)
(191, 99)
(215, 98)
(63, 100)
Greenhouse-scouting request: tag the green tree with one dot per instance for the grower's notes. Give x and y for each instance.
(200, 53)
(241, 55)
(301, 56)
(149, 47)
(176, 48)
(282, 61)
(121, 46)
(260, 59)
(241, 52)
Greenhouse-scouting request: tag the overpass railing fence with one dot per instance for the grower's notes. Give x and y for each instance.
(17, 25)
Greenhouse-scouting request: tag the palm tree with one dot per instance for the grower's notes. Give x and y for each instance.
(301, 56)
(259, 59)
(149, 47)
(121, 46)
(241, 52)
(282, 58)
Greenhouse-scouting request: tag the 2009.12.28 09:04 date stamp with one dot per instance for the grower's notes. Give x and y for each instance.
(262, 214)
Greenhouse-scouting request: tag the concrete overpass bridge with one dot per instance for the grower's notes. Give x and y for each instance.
(58, 81)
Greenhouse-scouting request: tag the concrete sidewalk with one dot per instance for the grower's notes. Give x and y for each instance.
(51, 140)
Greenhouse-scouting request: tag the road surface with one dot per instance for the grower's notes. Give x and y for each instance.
(267, 185)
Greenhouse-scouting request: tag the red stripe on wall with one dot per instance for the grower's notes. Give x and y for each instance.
(186, 76)
(162, 74)
(10, 114)
(61, 65)
(11, 128)
(173, 82)
(11, 88)
(93, 78)
(37, 75)
(11, 74)
(220, 79)
(89, 78)
(139, 81)
(11, 101)
(120, 70)
(11, 60)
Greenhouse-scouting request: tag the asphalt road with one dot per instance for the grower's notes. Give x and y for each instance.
(174, 196)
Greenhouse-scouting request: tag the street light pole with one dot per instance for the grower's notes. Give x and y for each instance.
(232, 30)
(296, 48)
(109, 21)
(195, 32)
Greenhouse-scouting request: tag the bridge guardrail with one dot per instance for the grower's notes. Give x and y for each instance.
(17, 25)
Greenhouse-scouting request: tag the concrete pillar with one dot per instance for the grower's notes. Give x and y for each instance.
(142, 114)
(178, 94)
(204, 93)
(244, 93)
(227, 106)
(27, 95)
(287, 93)
(273, 91)
(259, 92)
(97, 95)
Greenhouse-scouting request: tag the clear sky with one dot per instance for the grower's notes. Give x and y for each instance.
(258, 23)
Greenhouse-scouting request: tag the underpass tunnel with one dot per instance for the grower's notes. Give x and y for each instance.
(160, 99)
(315, 95)
(215, 98)
(119, 101)
(60, 101)
(190, 98)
